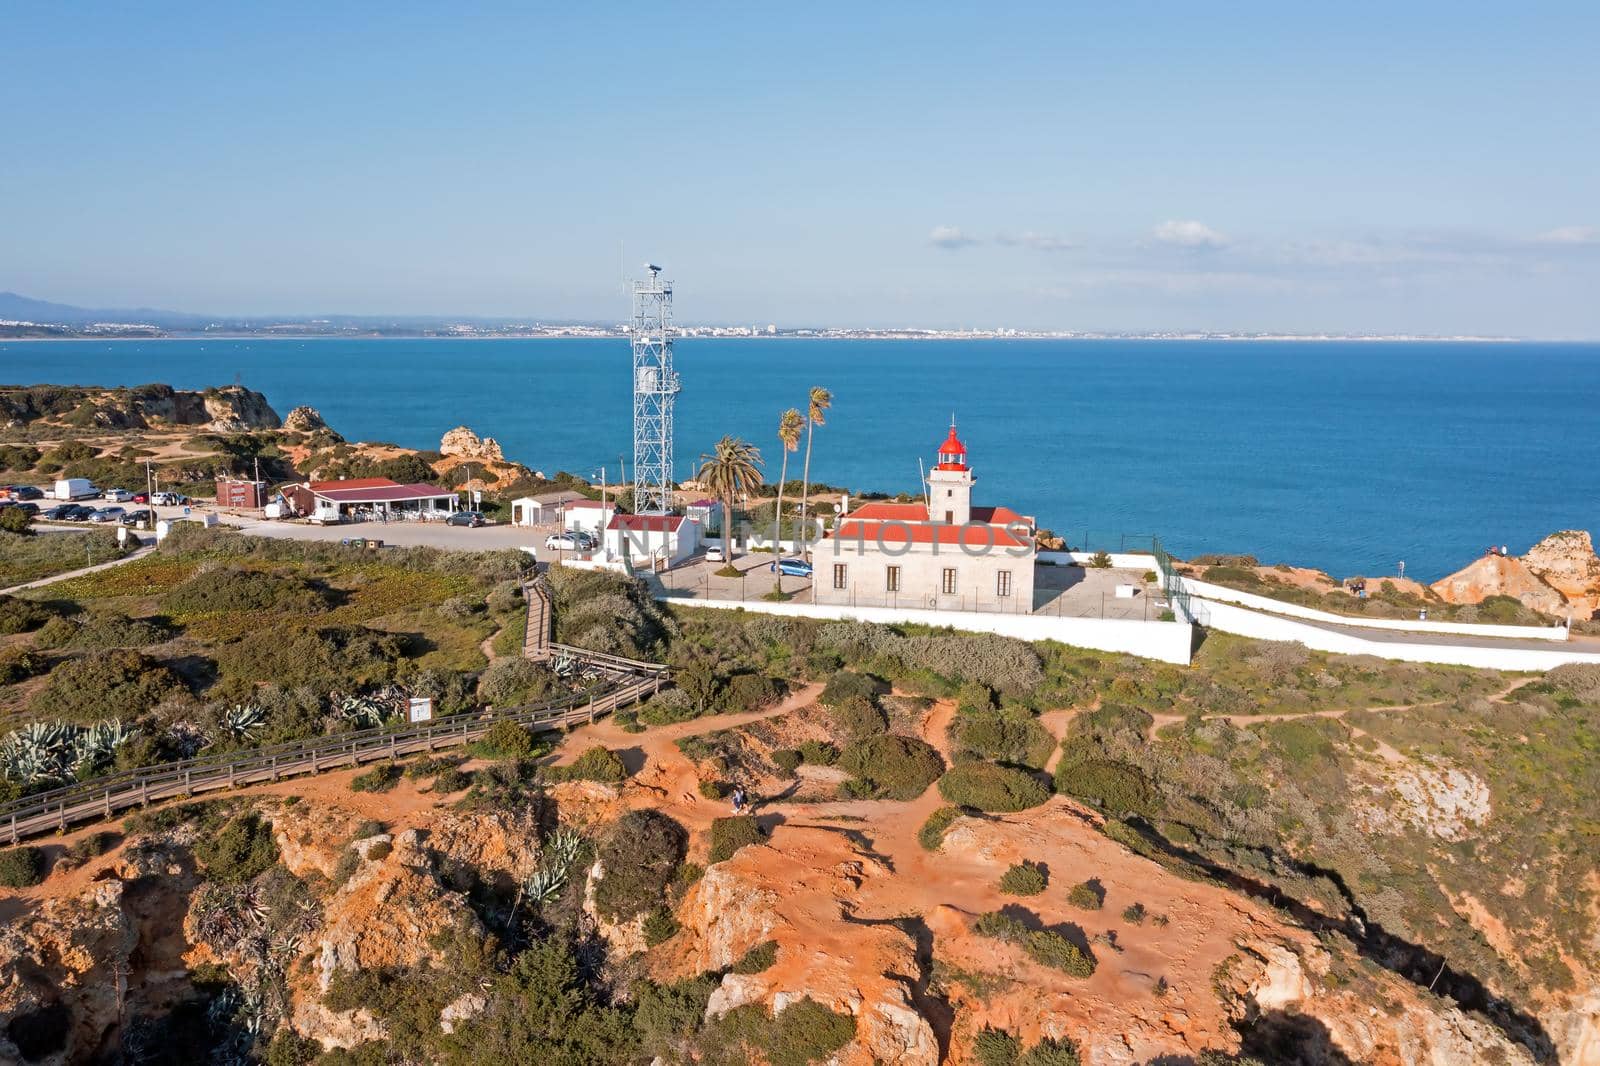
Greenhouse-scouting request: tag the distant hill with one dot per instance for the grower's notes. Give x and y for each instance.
(25, 308)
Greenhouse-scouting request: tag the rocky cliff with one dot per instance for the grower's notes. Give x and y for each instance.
(1558, 576)
(229, 409)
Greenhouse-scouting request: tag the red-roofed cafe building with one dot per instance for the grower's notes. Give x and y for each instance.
(945, 554)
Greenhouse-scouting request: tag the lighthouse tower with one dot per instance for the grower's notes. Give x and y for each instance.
(950, 483)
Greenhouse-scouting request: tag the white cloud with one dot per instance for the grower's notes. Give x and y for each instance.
(1039, 242)
(1189, 234)
(951, 237)
(1570, 235)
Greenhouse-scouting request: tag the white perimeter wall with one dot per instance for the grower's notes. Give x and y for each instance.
(1207, 590)
(1168, 642)
(1228, 618)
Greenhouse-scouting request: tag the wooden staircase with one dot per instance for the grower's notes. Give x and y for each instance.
(536, 642)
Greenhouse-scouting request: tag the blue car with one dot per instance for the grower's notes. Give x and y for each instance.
(792, 567)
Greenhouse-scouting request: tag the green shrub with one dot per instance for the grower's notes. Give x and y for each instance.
(846, 685)
(931, 835)
(505, 740)
(807, 1032)
(1051, 1052)
(108, 630)
(1100, 561)
(345, 657)
(819, 753)
(1023, 879)
(231, 588)
(289, 1048)
(1134, 913)
(659, 927)
(894, 767)
(19, 663)
(1086, 895)
(666, 1017)
(985, 786)
(106, 684)
(1009, 736)
(21, 867)
(856, 718)
(638, 859)
(750, 692)
(1115, 787)
(728, 835)
(239, 851)
(758, 959)
(595, 764)
(1044, 946)
(451, 779)
(995, 1047)
(93, 846)
(21, 616)
(380, 778)
(788, 760)
(514, 682)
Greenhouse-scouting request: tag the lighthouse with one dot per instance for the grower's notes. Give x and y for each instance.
(950, 483)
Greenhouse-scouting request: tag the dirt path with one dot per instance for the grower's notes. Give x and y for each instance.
(140, 553)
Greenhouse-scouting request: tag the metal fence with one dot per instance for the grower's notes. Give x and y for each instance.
(55, 810)
(1172, 586)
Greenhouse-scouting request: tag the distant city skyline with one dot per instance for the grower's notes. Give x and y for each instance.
(1420, 169)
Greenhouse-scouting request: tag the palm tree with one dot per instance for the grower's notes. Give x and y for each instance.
(818, 403)
(732, 469)
(789, 424)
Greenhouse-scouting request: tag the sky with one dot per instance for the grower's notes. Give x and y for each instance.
(1421, 167)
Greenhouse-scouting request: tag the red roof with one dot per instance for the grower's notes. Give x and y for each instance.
(901, 532)
(354, 483)
(902, 512)
(952, 453)
(381, 493)
(646, 523)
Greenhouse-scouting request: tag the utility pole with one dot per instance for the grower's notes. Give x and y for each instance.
(150, 493)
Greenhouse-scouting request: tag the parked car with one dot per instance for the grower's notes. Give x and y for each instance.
(79, 512)
(26, 492)
(29, 508)
(136, 518)
(59, 513)
(117, 495)
(716, 555)
(107, 514)
(792, 567)
(141, 497)
(470, 519)
(570, 541)
(162, 499)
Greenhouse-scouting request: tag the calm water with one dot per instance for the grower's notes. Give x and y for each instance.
(1347, 456)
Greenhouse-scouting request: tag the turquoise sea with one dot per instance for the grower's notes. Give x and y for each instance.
(1347, 456)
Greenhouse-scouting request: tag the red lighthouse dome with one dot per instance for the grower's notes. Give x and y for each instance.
(952, 453)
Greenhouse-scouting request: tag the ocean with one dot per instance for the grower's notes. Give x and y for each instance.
(1349, 456)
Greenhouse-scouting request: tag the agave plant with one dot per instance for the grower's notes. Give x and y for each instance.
(560, 851)
(364, 712)
(242, 721)
(101, 741)
(39, 753)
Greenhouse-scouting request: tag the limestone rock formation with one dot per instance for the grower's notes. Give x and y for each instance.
(305, 419)
(1500, 575)
(1566, 561)
(233, 409)
(60, 975)
(464, 443)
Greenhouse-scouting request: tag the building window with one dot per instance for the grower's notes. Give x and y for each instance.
(891, 578)
(1002, 583)
(839, 575)
(949, 586)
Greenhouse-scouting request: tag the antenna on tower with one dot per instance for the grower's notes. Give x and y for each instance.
(655, 389)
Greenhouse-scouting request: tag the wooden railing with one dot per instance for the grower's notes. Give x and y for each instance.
(536, 641)
(99, 798)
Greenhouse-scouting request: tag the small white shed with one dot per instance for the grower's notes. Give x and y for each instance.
(590, 516)
(644, 539)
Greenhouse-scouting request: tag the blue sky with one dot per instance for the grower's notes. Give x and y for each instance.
(1424, 167)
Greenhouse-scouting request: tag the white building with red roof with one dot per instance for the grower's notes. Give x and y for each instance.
(941, 553)
(647, 540)
(370, 498)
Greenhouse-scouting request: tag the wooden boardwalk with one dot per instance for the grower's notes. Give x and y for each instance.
(622, 682)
